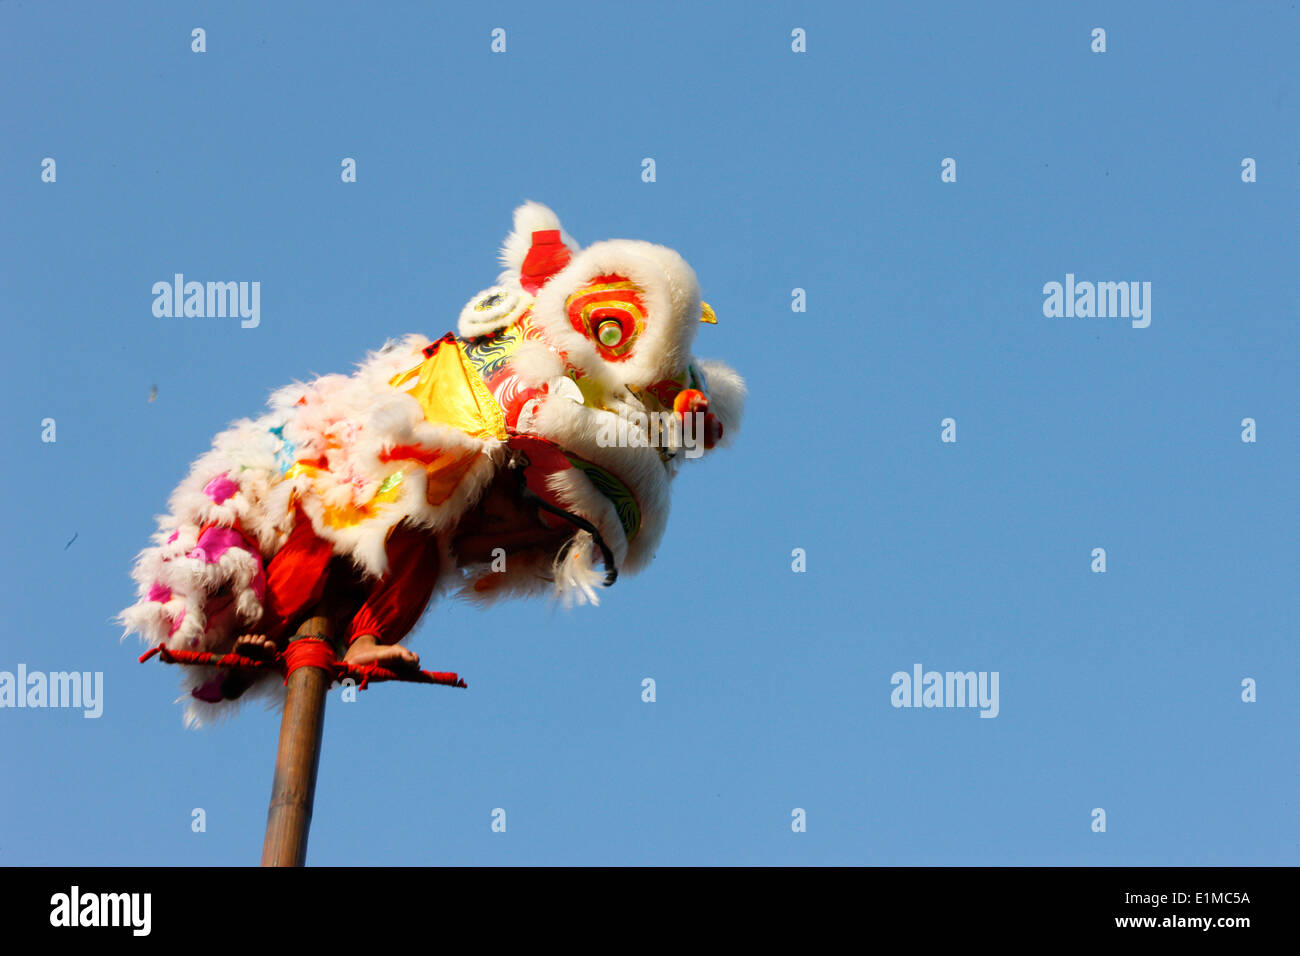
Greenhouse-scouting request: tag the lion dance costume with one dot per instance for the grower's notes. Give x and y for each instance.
(563, 379)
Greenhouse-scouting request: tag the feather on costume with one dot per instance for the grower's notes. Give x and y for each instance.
(574, 372)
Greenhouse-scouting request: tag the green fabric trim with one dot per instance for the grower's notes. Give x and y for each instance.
(619, 495)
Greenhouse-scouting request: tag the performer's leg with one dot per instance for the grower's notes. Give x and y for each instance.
(295, 582)
(394, 604)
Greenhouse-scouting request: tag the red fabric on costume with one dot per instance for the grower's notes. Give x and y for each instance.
(547, 256)
(298, 573)
(295, 577)
(394, 603)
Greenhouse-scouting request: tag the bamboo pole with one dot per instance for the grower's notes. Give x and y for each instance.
(293, 789)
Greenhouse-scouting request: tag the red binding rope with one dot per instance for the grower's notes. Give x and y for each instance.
(306, 652)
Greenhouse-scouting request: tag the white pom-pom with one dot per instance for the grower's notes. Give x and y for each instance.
(491, 309)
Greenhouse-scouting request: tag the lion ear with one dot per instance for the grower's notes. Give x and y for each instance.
(531, 217)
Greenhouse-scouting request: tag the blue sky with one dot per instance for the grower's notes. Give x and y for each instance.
(775, 171)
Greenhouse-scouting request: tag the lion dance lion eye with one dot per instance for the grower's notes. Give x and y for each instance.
(609, 311)
(610, 333)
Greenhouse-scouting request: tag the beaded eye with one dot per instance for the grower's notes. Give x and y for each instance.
(610, 333)
(610, 312)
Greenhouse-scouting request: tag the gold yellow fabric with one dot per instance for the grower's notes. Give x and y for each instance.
(451, 392)
(349, 516)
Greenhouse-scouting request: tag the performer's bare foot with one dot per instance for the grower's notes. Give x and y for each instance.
(365, 650)
(257, 646)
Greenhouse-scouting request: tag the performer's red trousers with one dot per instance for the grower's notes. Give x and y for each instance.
(297, 576)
